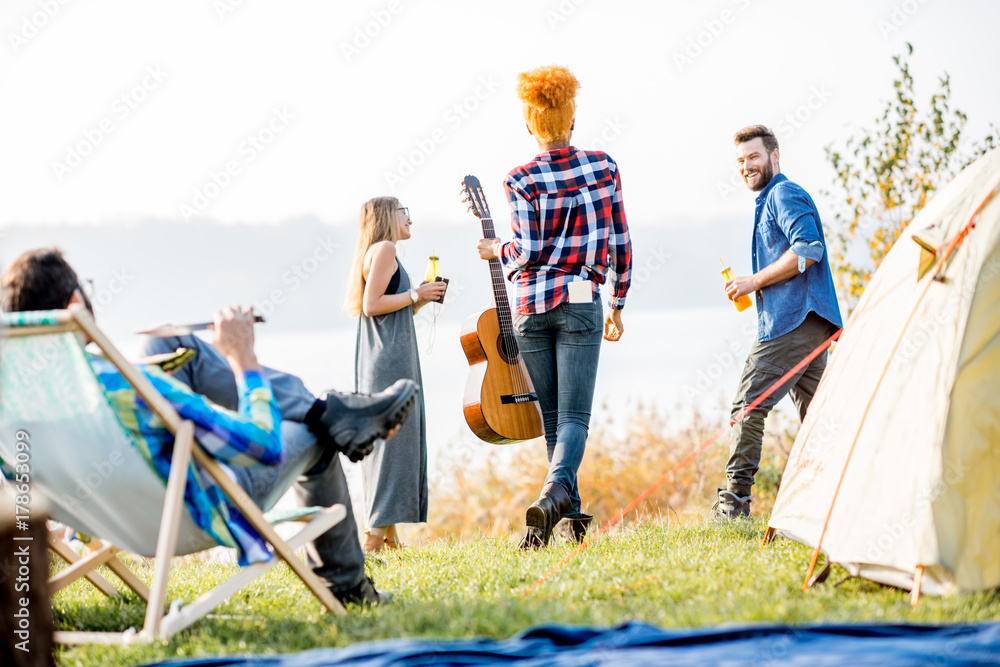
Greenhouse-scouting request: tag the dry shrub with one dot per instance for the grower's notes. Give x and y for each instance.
(488, 495)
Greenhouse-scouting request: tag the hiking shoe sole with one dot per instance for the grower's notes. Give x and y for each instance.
(365, 431)
(538, 529)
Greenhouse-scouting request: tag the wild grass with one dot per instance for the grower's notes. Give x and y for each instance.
(489, 495)
(662, 564)
(667, 574)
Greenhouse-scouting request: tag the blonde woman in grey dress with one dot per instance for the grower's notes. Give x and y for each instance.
(380, 294)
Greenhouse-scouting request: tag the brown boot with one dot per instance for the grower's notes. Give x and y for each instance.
(544, 514)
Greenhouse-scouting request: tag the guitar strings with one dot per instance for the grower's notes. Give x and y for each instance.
(508, 341)
(501, 315)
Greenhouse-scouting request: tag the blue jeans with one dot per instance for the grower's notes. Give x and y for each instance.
(560, 349)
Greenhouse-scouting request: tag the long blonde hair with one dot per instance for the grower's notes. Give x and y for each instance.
(377, 223)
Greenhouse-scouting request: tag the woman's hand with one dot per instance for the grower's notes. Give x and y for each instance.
(489, 248)
(431, 292)
(613, 328)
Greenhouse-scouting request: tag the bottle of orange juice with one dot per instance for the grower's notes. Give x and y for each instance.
(433, 273)
(743, 302)
(433, 270)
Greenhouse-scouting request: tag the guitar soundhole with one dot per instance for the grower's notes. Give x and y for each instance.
(507, 347)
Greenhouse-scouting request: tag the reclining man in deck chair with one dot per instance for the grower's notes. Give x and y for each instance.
(247, 430)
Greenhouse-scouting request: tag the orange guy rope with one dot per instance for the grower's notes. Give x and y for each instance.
(687, 459)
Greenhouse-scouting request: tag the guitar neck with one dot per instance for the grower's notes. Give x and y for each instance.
(496, 272)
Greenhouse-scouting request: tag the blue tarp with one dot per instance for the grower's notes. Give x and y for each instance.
(641, 644)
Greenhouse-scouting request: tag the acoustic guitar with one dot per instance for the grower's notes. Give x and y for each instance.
(500, 403)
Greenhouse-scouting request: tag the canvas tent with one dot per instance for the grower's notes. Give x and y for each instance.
(897, 464)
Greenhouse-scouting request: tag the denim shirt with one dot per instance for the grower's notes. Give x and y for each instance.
(786, 217)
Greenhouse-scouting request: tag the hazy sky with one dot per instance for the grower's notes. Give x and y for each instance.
(254, 110)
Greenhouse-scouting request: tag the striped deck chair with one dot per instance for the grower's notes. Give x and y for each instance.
(85, 468)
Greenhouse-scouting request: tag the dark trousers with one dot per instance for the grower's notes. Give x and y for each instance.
(335, 555)
(768, 361)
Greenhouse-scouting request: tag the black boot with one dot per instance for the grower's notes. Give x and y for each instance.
(574, 529)
(731, 506)
(544, 514)
(351, 423)
(363, 595)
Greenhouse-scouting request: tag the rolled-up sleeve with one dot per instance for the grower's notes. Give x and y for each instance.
(619, 250)
(797, 221)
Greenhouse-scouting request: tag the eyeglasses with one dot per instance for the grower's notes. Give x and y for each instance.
(86, 287)
(405, 210)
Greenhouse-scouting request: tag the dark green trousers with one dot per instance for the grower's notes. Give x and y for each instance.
(768, 361)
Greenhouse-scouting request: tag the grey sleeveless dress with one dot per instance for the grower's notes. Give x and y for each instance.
(395, 473)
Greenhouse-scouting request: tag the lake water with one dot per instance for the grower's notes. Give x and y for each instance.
(680, 360)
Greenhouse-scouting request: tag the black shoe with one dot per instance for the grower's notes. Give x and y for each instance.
(573, 529)
(731, 506)
(544, 514)
(363, 595)
(353, 422)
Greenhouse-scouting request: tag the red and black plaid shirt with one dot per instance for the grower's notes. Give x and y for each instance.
(569, 224)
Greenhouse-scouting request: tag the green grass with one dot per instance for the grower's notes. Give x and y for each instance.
(687, 575)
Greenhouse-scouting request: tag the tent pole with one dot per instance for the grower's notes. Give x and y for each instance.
(918, 577)
(768, 537)
(954, 243)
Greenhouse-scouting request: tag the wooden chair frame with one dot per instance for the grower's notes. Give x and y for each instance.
(186, 448)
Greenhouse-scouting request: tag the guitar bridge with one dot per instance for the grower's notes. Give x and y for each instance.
(507, 399)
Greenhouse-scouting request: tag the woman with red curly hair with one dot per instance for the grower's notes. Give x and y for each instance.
(570, 237)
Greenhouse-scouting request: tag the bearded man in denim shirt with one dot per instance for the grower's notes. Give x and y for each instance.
(796, 307)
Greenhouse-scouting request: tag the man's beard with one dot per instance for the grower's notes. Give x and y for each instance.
(766, 174)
